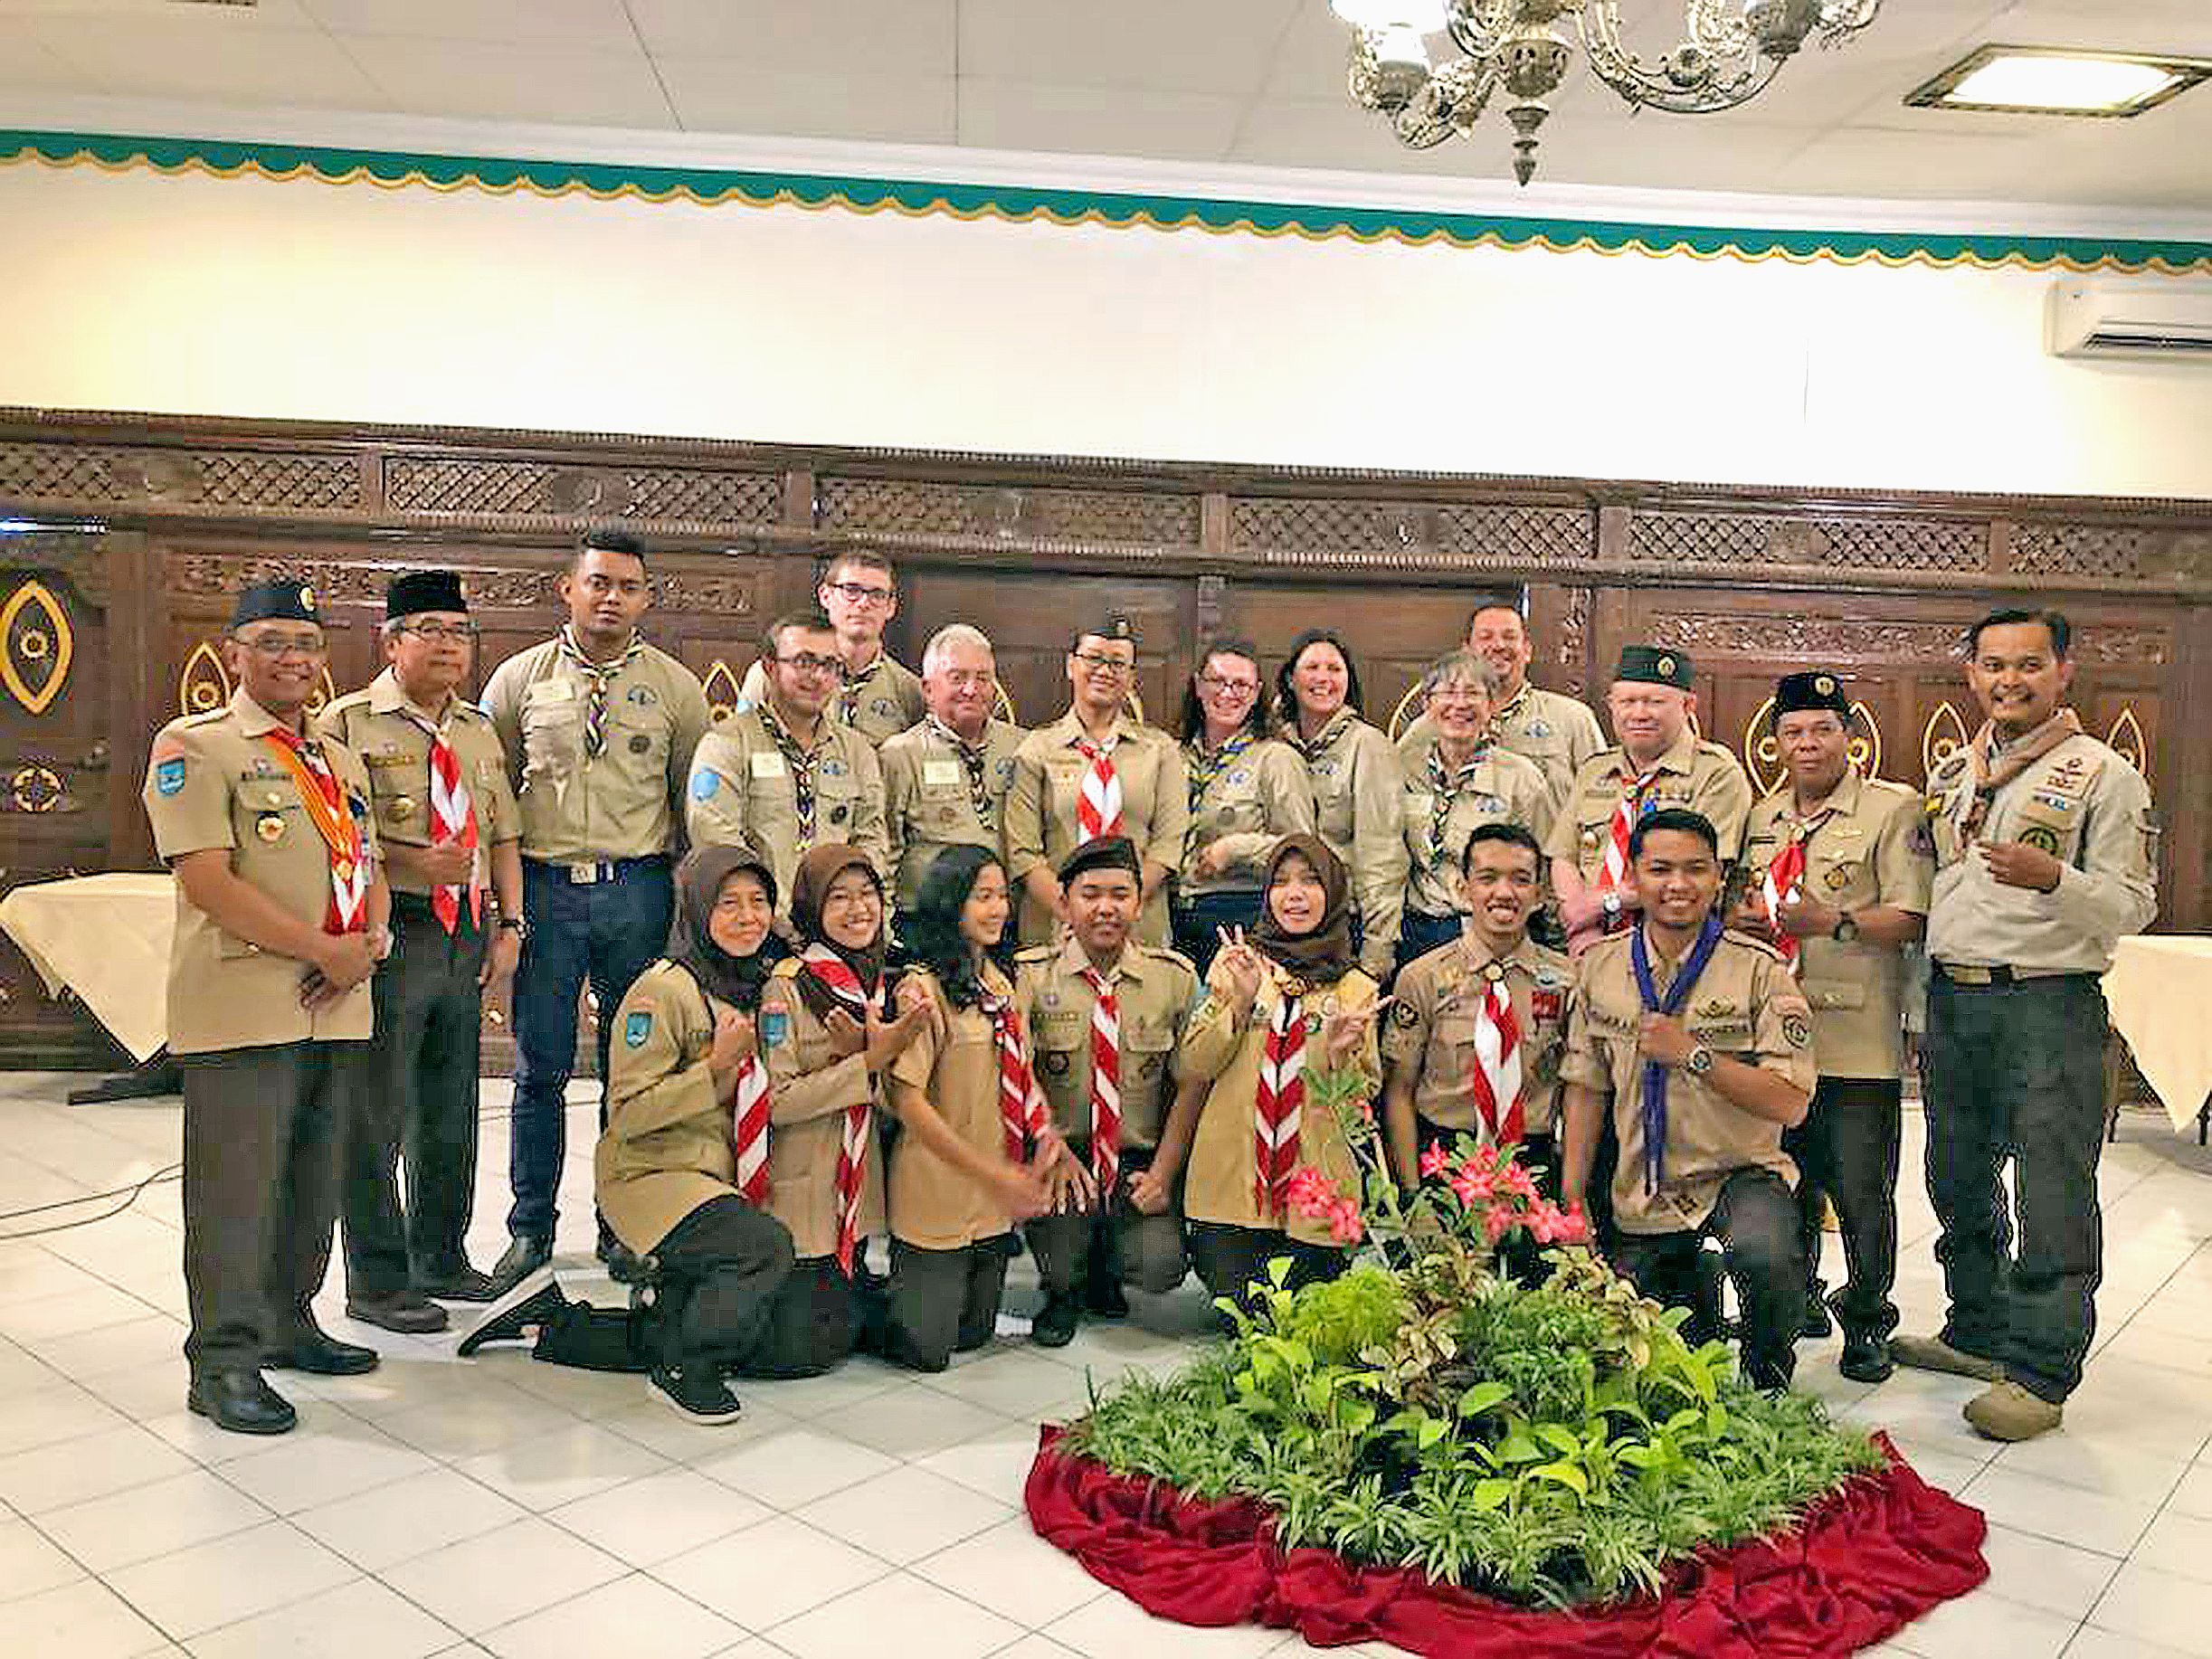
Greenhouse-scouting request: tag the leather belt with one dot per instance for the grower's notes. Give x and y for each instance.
(591, 872)
(1962, 973)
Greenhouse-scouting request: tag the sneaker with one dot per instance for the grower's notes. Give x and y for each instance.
(1932, 1353)
(703, 1398)
(2006, 1411)
(535, 1300)
(1866, 1359)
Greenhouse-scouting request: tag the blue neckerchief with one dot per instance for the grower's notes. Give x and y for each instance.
(1655, 1073)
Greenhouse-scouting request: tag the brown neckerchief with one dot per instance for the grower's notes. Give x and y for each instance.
(1992, 770)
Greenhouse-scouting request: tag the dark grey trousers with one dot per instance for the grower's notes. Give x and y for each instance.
(1120, 1243)
(1755, 1223)
(420, 1099)
(1847, 1154)
(262, 1133)
(1231, 1259)
(2017, 1071)
(943, 1301)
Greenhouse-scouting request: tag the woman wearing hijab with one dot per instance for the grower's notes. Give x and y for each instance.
(976, 1152)
(828, 1041)
(1290, 998)
(687, 1091)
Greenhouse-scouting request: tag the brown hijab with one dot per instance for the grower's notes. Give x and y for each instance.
(1324, 955)
(699, 878)
(810, 886)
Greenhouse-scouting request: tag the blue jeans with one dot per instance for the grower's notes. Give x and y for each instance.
(1198, 916)
(1419, 933)
(609, 932)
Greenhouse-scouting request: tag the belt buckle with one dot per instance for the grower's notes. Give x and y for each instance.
(585, 874)
(1968, 976)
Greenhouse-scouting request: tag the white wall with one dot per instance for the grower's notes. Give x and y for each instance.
(302, 299)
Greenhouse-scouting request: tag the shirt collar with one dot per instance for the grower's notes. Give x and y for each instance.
(386, 698)
(253, 720)
(1475, 955)
(1068, 728)
(1074, 960)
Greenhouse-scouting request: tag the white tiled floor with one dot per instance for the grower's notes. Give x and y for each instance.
(503, 1507)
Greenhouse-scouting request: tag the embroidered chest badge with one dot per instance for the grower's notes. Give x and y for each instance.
(637, 1029)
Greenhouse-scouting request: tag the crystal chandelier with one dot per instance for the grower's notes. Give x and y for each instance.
(1729, 51)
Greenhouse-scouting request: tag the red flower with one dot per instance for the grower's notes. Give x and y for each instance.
(1498, 1221)
(1474, 1182)
(1552, 1225)
(1435, 1160)
(1344, 1224)
(1517, 1181)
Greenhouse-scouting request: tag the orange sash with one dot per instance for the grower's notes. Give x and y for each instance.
(326, 803)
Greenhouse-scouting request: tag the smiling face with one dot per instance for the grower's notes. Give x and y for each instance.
(1102, 907)
(1678, 877)
(1297, 898)
(983, 919)
(960, 683)
(1501, 889)
(1099, 673)
(852, 910)
(1319, 681)
(2018, 676)
(742, 915)
(277, 661)
(430, 653)
(1228, 687)
(1461, 710)
(805, 673)
(1648, 719)
(1500, 639)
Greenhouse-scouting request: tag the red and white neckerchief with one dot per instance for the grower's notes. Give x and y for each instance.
(1785, 879)
(332, 815)
(1277, 1105)
(1105, 1081)
(834, 976)
(453, 818)
(1022, 1118)
(1497, 1080)
(1614, 877)
(1098, 805)
(749, 1130)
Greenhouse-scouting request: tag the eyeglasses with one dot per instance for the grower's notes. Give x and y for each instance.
(859, 593)
(1098, 664)
(806, 662)
(1459, 694)
(969, 679)
(283, 644)
(1218, 687)
(439, 633)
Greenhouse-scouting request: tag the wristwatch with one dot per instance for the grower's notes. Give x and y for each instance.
(1700, 1061)
(517, 925)
(1610, 905)
(1845, 931)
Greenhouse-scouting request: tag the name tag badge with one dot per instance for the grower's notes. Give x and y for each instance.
(935, 773)
(767, 763)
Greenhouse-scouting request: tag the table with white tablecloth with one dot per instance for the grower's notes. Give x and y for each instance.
(2161, 992)
(104, 940)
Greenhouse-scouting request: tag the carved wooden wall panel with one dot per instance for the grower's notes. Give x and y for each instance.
(178, 513)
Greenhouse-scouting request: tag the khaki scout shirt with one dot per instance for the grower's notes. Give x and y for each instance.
(1253, 800)
(1358, 811)
(929, 804)
(1436, 1005)
(1548, 728)
(743, 794)
(1744, 1006)
(1154, 990)
(954, 1064)
(621, 803)
(1702, 776)
(1500, 788)
(213, 781)
(377, 724)
(1871, 850)
(666, 1149)
(2088, 808)
(810, 1086)
(1040, 810)
(880, 702)
(1226, 1051)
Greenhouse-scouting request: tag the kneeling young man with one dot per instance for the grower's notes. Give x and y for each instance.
(1473, 1040)
(1699, 1044)
(1107, 1013)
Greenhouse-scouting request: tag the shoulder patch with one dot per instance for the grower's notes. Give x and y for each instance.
(169, 777)
(705, 782)
(637, 1027)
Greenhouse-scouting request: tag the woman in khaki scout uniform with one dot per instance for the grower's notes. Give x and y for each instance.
(976, 1153)
(1247, 792)
(1095, 771)
(1457, 781)
(1288, 1002)
(1357, 785)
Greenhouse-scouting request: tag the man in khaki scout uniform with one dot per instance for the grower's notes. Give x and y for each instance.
(1659, 761)
(1095, 771)
(1106, 1013)
(1471, 1043)
(598, 728)
(1458, 779)
(2045, 853)
(280, 922)
(450, 830)
(1555, 731)
(1697, 1045)
(1837, 871)
(879, 697)
(779, 777)
(945, 778)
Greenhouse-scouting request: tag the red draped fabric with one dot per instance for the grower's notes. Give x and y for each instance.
(1867, 1562)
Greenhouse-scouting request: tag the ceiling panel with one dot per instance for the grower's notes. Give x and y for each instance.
(477, 80)
(1017, 114)
(24, 63)
(600, 23)
(737, 95)
(1216, 46)
(824, 37)
(244, 60)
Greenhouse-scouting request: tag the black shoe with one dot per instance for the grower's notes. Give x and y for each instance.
(1817, 1321)
(525, 1255)
(621, 1262)
(457, 1281)
(316, 1352)
(241, 1402)
(535, 1301)
(1866, 1359)
(408, 1312)
(1103, 1299)
(702, 1397)
(1056, 1322)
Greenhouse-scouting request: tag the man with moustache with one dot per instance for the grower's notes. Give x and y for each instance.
(1107, 1012)
(450, 829)
(2045, 853)
(280, 919)
(598, 727)
(1555, 731)
(945, 777)
(879, 697)
(1837, 870)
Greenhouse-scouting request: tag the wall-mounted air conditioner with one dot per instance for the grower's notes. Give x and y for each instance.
(2092, 316)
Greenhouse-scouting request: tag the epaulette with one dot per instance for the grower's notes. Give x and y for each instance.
(1037, 952)
(209, 718)
(1168, 954)
(1764, 947)
(350, 699)
(785, 968)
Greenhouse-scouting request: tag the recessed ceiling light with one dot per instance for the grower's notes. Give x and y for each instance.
(2057, 80)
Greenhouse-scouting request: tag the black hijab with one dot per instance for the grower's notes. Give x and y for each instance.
(699, 880)
(1324, 957)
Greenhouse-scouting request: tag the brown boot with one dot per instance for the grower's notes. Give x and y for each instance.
(2006, 1411)
(1932, 1353)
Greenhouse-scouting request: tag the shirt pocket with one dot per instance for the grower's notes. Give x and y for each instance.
(1145, 1048)
(837, 799)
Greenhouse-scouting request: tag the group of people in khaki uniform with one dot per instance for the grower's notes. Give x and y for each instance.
(1683, 1006)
